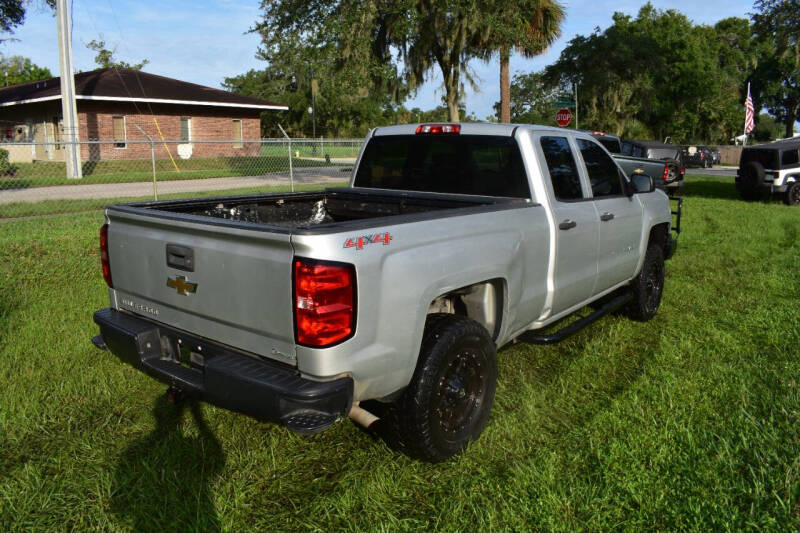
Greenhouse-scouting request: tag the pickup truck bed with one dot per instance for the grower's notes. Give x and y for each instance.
(331, 209)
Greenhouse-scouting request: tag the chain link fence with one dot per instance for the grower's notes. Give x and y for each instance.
(34, 181)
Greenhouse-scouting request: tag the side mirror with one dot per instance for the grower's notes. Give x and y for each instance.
(642, 183)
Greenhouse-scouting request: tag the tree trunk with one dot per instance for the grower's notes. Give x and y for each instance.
(450, 73)
(505, 86)
(791, 118)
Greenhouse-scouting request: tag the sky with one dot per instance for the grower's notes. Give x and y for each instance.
(204, 42)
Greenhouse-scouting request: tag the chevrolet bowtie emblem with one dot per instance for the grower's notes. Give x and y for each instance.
(181, 285)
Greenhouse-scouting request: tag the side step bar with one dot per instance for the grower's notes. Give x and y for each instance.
(574, 327)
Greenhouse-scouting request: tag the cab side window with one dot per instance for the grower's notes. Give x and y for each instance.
(562, 168)
(603, 172)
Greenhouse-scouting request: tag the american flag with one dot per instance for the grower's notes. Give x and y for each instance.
(749, 125)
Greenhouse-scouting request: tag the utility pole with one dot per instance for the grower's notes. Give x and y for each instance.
(69, 110)
(575, 86)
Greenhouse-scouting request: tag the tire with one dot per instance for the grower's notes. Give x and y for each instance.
(751, 176)
(792, 194)
(447, 403)
(672, 174)
(648, 286)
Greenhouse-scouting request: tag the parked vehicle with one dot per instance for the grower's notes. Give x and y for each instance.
(669, 153)
(772, 168)
(451, 241)
(697, 156)
(655, 168)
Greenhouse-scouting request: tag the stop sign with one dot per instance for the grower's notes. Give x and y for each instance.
(563, 116)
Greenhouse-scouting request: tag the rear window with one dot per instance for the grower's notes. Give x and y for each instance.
(631, 149)
(789, 157)
(767, 158)
(612, 145)
(481, 165)
(664, 153)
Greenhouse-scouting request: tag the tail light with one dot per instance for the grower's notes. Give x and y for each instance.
(666, 173)
(104, 255)
(324, 302)
(438, 129)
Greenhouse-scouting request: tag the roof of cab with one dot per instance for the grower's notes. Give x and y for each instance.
(474, 128)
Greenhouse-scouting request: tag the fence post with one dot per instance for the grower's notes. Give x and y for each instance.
(291, 172)
(152, 158)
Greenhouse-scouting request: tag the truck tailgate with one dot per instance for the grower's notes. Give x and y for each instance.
(236, 289)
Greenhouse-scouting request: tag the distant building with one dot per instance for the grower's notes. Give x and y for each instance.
(112, 102)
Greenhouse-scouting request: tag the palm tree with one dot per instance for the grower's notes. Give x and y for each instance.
(529, 27)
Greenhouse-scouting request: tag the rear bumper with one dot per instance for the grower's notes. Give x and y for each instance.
(222, 376)
(674, 185)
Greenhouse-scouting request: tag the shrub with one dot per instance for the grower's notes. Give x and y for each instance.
(6, 168)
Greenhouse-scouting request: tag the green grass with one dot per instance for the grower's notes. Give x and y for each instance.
(690, 421)
(47, 174)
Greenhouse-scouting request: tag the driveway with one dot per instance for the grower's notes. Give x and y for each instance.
(716, 171)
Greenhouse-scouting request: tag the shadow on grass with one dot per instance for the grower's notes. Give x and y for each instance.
(162, 481)
(724, 189)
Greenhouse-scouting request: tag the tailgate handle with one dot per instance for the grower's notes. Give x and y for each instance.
(180, 257)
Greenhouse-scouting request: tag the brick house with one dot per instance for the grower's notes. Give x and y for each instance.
(111, 104)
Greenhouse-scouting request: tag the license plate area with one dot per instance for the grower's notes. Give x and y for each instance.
(183, 351)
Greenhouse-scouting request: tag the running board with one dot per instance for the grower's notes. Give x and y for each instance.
(574, 327)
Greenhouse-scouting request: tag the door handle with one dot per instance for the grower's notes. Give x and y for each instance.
(605, 217)
(567, 224)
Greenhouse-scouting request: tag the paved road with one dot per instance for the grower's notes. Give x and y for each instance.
(715, 171)
(302, 176)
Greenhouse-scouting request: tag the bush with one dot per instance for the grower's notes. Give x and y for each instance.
(6, 168)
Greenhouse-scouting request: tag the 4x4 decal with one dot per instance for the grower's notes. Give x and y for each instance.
(359, 242)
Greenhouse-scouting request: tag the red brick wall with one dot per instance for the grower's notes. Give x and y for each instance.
(95, 121)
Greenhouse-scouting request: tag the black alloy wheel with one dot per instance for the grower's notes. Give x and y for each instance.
(447, 403)
(648, 286)
(462, 391)
(792, 194)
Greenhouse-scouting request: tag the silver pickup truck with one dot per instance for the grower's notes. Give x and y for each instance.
(451, 241)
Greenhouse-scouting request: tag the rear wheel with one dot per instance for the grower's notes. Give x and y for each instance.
(447, 403)
(792, 194)
(648, 286)
(751, 176)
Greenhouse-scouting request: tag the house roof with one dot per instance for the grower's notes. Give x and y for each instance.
(128, 85)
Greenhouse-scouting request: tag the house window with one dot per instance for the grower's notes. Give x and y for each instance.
(186, 129)
(120, 137)
(237, 133)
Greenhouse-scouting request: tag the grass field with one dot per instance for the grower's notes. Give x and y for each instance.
(690, 421)
(47, 174)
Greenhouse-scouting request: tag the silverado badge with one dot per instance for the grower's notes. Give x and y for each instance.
(181, 285)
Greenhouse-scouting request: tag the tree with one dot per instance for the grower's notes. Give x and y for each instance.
(527, 26)
(777, 24)
(18, 69)
(767, 128)
(447, 34)
(394, 44)
(105, 58)
(12, 14)
(531, 99)
(659, 75)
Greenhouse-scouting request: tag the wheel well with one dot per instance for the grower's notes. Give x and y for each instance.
(658, 235)
(482, 302)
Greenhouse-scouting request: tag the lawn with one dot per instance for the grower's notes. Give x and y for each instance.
(690, 421)
(47, 174)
